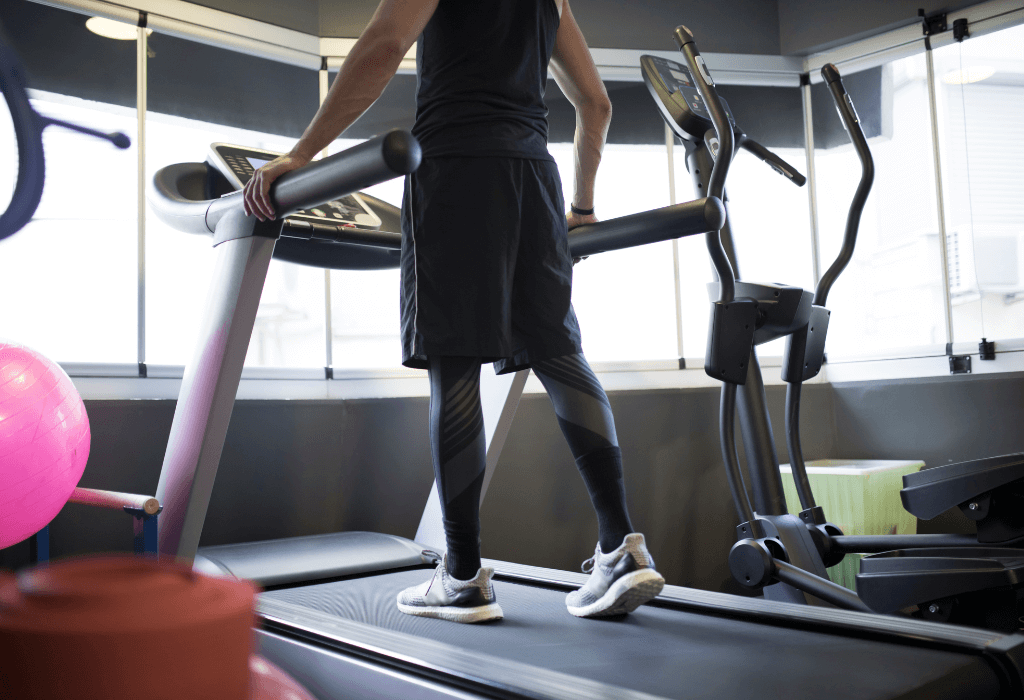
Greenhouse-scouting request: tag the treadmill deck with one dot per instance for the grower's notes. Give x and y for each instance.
(661, 651)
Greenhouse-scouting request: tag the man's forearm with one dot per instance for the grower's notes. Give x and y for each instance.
(367, 69)
(591, 132)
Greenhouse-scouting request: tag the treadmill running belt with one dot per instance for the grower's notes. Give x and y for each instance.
(661, 651)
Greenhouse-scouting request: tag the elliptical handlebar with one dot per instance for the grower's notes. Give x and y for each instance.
(851, 121)
(723, 157)
(773, 161)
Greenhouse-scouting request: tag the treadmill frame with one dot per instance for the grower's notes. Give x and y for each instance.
(453, 666)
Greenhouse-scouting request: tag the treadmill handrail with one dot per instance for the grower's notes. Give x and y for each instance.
(172, 186)
(666, 223)
(364, 165)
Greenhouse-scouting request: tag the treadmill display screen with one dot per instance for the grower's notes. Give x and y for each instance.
(239, 164)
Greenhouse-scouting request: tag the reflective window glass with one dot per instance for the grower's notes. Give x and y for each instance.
(980, 89)
(890, 296)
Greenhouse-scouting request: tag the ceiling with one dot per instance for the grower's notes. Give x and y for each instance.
(772, 27)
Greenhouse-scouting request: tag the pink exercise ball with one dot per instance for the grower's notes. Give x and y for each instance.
(44, 441)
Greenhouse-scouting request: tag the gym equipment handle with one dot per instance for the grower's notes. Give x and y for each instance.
(367, 164)
(676, 221)
(115, 500)
(874, 544)
(774, 162)
(844, 104)
(723, 158)
(819, 587)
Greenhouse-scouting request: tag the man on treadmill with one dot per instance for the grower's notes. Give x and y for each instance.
(486, 268)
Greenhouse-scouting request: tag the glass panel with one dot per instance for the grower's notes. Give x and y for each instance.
(890, 296)
(187, 114)
(625, 300)
(364, 303)
(980, 88)
(632, 318)
(70, 275)
(69, 278)
(770, 224)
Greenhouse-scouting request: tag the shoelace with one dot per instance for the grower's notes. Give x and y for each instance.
(589, 564)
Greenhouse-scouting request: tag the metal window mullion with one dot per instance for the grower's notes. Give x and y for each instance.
(939, 199)
(812, 183)
(141, 87)
(670, 150)
(328, 327)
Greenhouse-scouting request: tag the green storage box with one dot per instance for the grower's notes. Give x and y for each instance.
(861, 496)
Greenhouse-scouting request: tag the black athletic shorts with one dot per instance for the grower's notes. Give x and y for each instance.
(486, 270)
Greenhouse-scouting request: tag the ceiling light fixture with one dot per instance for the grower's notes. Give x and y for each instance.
(112, 29)
(975, 74)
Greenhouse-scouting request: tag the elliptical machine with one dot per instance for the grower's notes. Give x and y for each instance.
(28, 131)
(785, 555)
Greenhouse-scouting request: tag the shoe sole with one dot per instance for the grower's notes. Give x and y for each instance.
(625, 595)
(451, 613)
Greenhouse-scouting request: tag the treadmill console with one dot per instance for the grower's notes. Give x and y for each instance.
(677, 97)
(238, 163)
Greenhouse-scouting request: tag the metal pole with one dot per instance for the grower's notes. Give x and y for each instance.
(812, 185)
(142, 50)
(670, 143)
(936, 155)
(328, 328)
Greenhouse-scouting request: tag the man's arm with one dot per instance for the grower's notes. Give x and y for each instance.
(573, 69)
(367, 69)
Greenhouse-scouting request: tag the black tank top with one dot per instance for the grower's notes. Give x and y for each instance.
(482, 69)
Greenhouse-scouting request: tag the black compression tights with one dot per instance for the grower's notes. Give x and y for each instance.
(458, 448)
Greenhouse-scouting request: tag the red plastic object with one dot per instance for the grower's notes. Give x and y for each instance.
(124, 626)
(269, 682)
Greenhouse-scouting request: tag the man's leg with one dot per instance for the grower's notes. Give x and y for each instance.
(622, 570)
(459, 450)
(585, 417)
(460, 589)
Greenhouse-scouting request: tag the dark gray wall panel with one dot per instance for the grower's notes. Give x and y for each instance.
(186, 78)
(308, 467)
(300, 15)
(60, 55)
(806, 26)
(196, 81)
(938, 420)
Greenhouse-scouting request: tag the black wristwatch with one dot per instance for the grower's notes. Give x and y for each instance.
(581, 212)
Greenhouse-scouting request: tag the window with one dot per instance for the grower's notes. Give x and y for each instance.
(890, 296)
(69, 277)
(189, 110)
(980, 89)
(770, 226)
(365, 319)
(625, 300)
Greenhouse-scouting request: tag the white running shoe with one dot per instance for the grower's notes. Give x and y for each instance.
(447, 598)
(620, 581)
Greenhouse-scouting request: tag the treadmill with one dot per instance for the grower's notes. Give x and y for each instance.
(328, 613)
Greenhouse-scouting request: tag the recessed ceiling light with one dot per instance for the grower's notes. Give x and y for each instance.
(112, 29)
(975, 74)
